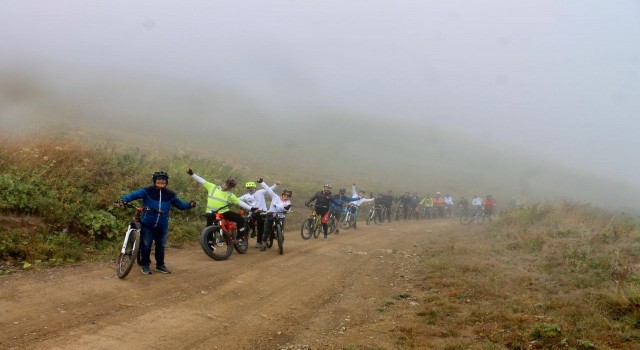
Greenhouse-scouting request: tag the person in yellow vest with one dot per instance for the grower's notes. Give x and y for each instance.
(220, 196)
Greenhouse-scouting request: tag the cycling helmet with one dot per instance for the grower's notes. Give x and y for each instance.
(328, 186)
(231, 183)
(250, 184)
(160, 175)
(343, 190)
(286, 191)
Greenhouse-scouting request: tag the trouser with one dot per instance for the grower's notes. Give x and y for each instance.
(268, 226)
(149, 235)
(260, 219)
(354, 211)
(235, 217)
(323, 212)
(337, 213)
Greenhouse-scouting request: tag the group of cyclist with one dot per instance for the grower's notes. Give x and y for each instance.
(155, 222)
(159, 199)
(430, 207)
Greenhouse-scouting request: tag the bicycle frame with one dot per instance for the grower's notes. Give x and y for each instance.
(130, 250)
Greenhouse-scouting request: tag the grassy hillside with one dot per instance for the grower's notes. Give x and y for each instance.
(70, 150)
(304, 145)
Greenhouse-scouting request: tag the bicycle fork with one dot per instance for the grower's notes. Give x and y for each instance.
(126, 240)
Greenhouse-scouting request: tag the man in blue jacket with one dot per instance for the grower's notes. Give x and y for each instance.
(155, 221)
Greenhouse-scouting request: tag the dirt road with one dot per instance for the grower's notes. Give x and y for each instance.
(318, 295)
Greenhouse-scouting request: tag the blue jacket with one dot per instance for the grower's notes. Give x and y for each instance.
(157, 200)
(342, 199)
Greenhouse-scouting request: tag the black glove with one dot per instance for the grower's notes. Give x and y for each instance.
(192, 203)
(119, 203)
(287, 207)
(189, 171)
(255, 210)
(260, 180)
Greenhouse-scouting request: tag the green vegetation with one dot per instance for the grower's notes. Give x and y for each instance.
(69, 187)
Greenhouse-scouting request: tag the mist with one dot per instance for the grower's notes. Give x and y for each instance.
(535, 100)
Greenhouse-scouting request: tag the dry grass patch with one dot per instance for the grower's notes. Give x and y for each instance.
(548, 276)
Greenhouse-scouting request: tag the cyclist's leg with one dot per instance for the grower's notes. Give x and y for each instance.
(160, 235)
(268, 227)
(260, 219)
(324, 214)
(146, 235)
(236, 218)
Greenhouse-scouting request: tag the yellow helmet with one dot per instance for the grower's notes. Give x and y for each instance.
(250, 184)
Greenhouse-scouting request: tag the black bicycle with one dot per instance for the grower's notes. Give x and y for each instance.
(277, 231)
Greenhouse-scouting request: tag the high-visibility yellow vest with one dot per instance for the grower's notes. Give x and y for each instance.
(217, 198)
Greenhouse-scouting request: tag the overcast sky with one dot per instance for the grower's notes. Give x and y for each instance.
(560, 79)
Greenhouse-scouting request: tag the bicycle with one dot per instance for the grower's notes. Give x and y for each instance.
(311, 226)
(250, 223)
(277, 232)
(332, 222)
(349, 214)
(475, 216)
(131, 245)
(373, 215)
(219, 239)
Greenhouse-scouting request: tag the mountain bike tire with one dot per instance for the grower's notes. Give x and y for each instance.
(280, 237)
(332, 224)
(306, 230)
(130, 255)
(216, 243)
(242, 242)
(317, 228)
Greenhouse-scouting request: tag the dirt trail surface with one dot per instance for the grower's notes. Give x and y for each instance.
(318, 295)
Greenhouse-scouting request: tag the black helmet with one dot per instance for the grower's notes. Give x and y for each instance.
(231, 183)
(160, 175)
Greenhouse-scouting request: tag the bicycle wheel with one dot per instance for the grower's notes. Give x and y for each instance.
(466, 219)
(346, 221)
(280, 236)
(317, 228)
(130, 255)
(306, 230)
(270, 240)
(242, 242)
(216, 243)
(332, 224)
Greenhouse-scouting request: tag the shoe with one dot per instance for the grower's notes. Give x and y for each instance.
(262, 248)
(146, 270)
(337, 231)
(355, 227)
(325, 237)
(258, 245)
(163, 269)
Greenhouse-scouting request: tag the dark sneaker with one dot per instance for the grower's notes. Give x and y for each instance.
(262, 248)
(163, 269)
(146, 270)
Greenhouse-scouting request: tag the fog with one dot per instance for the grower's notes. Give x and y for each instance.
(554, 80)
